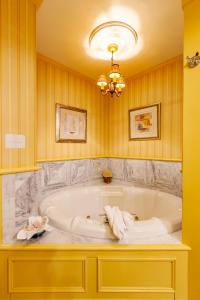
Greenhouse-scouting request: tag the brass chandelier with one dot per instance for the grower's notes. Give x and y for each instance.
(116, 82)
(119, 34)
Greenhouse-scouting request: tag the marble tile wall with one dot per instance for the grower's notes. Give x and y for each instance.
(59, 174)
(22, 192)
(164, 176)
(19, 194)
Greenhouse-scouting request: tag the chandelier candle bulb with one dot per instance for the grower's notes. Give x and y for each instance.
(102, 82)
(115, 73)
(120, 83)
(119, 89)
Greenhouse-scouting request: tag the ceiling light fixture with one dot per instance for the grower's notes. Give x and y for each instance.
(116, 32)
(114, 36)
(116, 83)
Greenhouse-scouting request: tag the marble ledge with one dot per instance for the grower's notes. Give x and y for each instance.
(19, 170)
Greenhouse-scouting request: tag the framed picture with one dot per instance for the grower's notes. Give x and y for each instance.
(71, 124)
(144, 122)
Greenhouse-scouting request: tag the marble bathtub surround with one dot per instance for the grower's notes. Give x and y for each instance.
(22, 192)
(58, 174)
(19, 193)
(161, 175)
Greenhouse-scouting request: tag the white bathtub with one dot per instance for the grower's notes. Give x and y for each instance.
(63, 206)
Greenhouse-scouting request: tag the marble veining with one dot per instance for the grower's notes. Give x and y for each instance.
(55, 173)
(79, 171)
(164, 176)
(19, 201)
(116, 165)
(138, 171)
(167, 177)
(22, 192)
(96, 167)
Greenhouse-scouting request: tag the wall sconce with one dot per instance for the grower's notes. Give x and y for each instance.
(193, 61)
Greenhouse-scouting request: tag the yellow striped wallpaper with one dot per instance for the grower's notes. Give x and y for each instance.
(57, 84)
(18, 80)
(161, 84)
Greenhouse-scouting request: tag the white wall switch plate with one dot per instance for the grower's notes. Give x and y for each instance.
(15, 141)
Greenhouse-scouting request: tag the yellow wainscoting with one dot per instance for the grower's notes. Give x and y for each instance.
(138, 275)
(62, 274)
(153, 272)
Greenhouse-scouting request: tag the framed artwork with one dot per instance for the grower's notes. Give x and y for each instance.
(71, 124)
(144, 122)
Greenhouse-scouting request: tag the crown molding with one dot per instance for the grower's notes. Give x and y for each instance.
(186, 2)
(37, 3)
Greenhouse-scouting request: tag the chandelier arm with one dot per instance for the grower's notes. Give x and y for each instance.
(116, 92)
(104, 92)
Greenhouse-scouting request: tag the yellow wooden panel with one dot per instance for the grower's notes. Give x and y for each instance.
(30, 272)
(136, 275)
(47, 274)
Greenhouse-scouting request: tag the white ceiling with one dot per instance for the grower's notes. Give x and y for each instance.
(63, 28)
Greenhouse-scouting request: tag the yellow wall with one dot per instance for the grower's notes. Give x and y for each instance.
(191, 146)
(18, 80)
(57, 84)
(160, 84)
(108, 117)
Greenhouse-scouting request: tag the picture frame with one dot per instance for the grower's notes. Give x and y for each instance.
(144, 122)
(71, 124)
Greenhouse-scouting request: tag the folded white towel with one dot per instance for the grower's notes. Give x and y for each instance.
(118, 220)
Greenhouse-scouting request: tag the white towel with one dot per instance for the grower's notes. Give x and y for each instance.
(118, 220)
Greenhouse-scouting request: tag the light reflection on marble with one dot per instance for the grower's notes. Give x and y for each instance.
(55, 173)
(96, 167)
(79, 171)
(22, 192)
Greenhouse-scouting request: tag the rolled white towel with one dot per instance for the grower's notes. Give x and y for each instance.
(128, 218)
(118, 220)
(172, 223)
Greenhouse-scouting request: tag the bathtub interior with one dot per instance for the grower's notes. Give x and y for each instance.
(89, 201)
